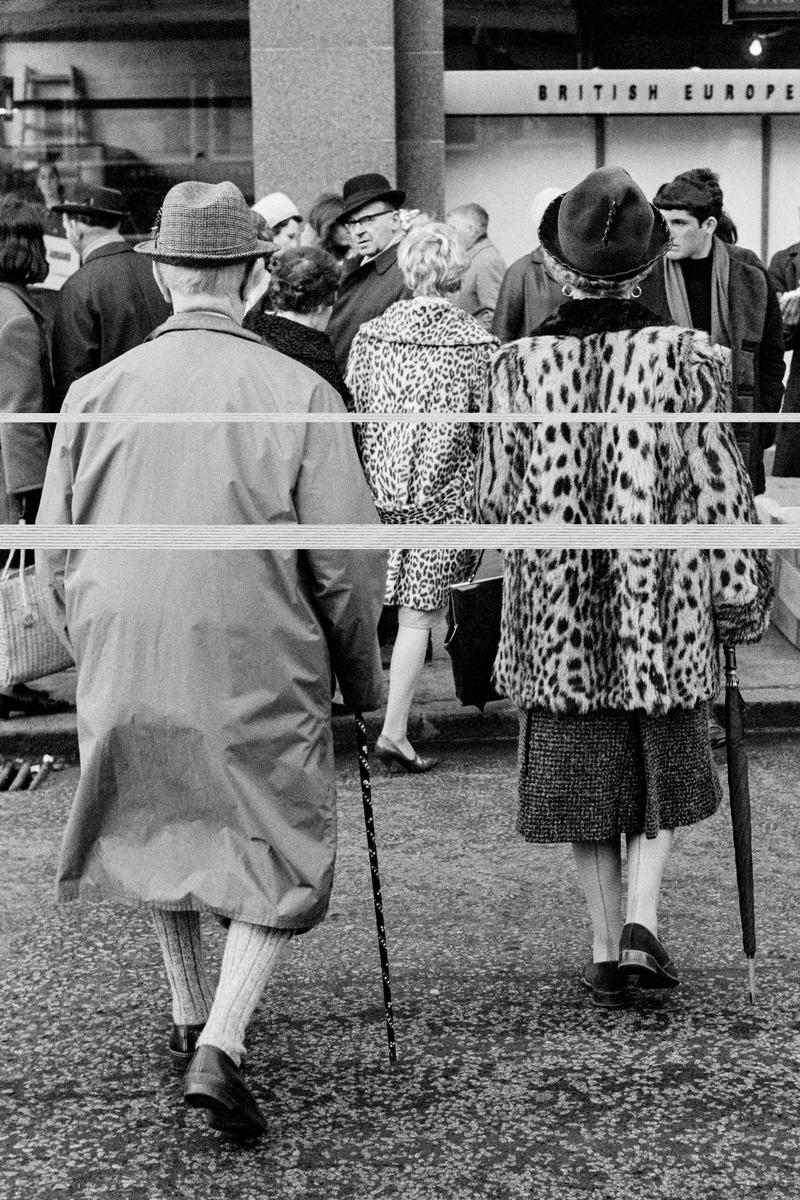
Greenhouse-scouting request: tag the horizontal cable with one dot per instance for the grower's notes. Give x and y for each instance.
(432, 418)
(542, 536)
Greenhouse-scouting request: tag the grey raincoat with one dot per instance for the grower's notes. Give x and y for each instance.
(204, 685)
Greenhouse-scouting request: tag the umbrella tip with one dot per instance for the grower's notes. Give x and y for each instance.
(751, 979)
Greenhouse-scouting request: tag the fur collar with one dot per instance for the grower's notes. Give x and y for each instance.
(582, 318)
(427, 322)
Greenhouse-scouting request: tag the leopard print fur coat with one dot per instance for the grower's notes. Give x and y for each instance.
(422, 355)
(623, 629)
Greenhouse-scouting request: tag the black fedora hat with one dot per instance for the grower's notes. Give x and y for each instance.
(364, 189)
(91, 200)
(604, 228)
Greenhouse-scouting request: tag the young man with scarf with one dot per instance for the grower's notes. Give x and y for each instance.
(705, 283)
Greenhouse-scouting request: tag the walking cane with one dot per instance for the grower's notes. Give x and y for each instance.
(372, 847)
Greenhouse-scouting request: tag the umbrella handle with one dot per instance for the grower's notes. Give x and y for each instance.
(731, 673)
(372, 849)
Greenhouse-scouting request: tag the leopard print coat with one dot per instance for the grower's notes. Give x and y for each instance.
(422, 355)
(584, 630)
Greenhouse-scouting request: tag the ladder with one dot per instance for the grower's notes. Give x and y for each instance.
(51, 119)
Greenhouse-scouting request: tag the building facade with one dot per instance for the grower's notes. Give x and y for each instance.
(455, 99)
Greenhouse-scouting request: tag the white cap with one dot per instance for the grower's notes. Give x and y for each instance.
(541, 201)
(276, 207)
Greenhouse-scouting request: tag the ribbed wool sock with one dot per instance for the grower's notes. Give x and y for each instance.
(182, 948)
(251, 955)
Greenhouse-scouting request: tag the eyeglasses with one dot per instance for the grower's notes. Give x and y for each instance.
(367, 220)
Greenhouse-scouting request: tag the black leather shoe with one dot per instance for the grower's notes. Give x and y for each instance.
(182, 1045)
(642, 954)
(213, 1082)
(606, 983)
(389, 754)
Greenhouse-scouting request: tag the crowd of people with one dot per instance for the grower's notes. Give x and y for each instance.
(205, 678)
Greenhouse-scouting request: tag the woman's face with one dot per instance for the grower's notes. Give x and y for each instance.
(47, 181)
(287, 233)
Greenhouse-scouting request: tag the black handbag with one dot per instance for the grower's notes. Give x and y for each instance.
(473, 635)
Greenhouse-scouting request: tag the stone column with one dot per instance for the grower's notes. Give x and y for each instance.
(323, 76)
(419, 88)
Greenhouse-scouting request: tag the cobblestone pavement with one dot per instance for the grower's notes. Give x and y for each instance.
(509, 1084)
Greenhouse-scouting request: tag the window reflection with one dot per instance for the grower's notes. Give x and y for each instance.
(147, 99)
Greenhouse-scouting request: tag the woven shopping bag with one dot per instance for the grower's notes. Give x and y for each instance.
(29, 647)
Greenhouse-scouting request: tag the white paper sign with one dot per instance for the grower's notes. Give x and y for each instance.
(63, 260)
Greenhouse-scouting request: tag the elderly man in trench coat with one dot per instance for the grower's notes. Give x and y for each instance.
(204, 676)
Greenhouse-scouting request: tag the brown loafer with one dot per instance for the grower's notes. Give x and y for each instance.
(642, 954)
(182, 1045)
(213, 1082)
(606, 983)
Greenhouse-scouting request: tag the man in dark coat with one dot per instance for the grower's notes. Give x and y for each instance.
(784, 271)
(204, 675)
(372, 281)
(528, 295)
(707, 284)
(111, 303)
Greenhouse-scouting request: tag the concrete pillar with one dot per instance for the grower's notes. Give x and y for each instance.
(323, 93)
(419, 89)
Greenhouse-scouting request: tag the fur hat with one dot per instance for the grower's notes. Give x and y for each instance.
(694, 191)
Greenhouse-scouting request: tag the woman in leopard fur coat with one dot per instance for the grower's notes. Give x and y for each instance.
(423, 355)
(612, 655)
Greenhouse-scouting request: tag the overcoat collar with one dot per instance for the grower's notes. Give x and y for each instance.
(106, 250)
(381, 262)
(214, 322)
(582, 318)
(26, 298)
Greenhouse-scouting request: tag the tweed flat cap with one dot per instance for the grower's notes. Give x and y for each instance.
(204, 223)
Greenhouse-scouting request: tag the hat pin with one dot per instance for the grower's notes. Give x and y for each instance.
(612, 212)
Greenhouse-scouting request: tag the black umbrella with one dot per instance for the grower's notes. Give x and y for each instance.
(372, 847)
(739, 788)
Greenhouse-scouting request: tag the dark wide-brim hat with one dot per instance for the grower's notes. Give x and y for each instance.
(604, 228)
(204, 224)
(365, 189)
(90, 200)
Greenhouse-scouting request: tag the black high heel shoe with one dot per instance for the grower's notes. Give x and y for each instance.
(388, 753)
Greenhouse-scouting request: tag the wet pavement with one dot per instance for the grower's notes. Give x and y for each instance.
(509, 1083)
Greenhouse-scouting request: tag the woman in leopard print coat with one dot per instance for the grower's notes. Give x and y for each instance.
(423, 355)
(612, 655)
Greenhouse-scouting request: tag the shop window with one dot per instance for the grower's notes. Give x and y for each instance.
(113, 92)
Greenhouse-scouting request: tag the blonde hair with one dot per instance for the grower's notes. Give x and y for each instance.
(432, 260)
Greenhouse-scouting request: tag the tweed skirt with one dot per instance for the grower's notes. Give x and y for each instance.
(593, 777)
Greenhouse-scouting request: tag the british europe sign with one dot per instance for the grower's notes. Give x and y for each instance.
(565, 93)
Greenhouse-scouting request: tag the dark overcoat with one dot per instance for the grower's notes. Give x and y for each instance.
(108, 306)
(784, 271)
(757, 364)
(527, 297)
(366, 291)
(25, 387)
(204, 676)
